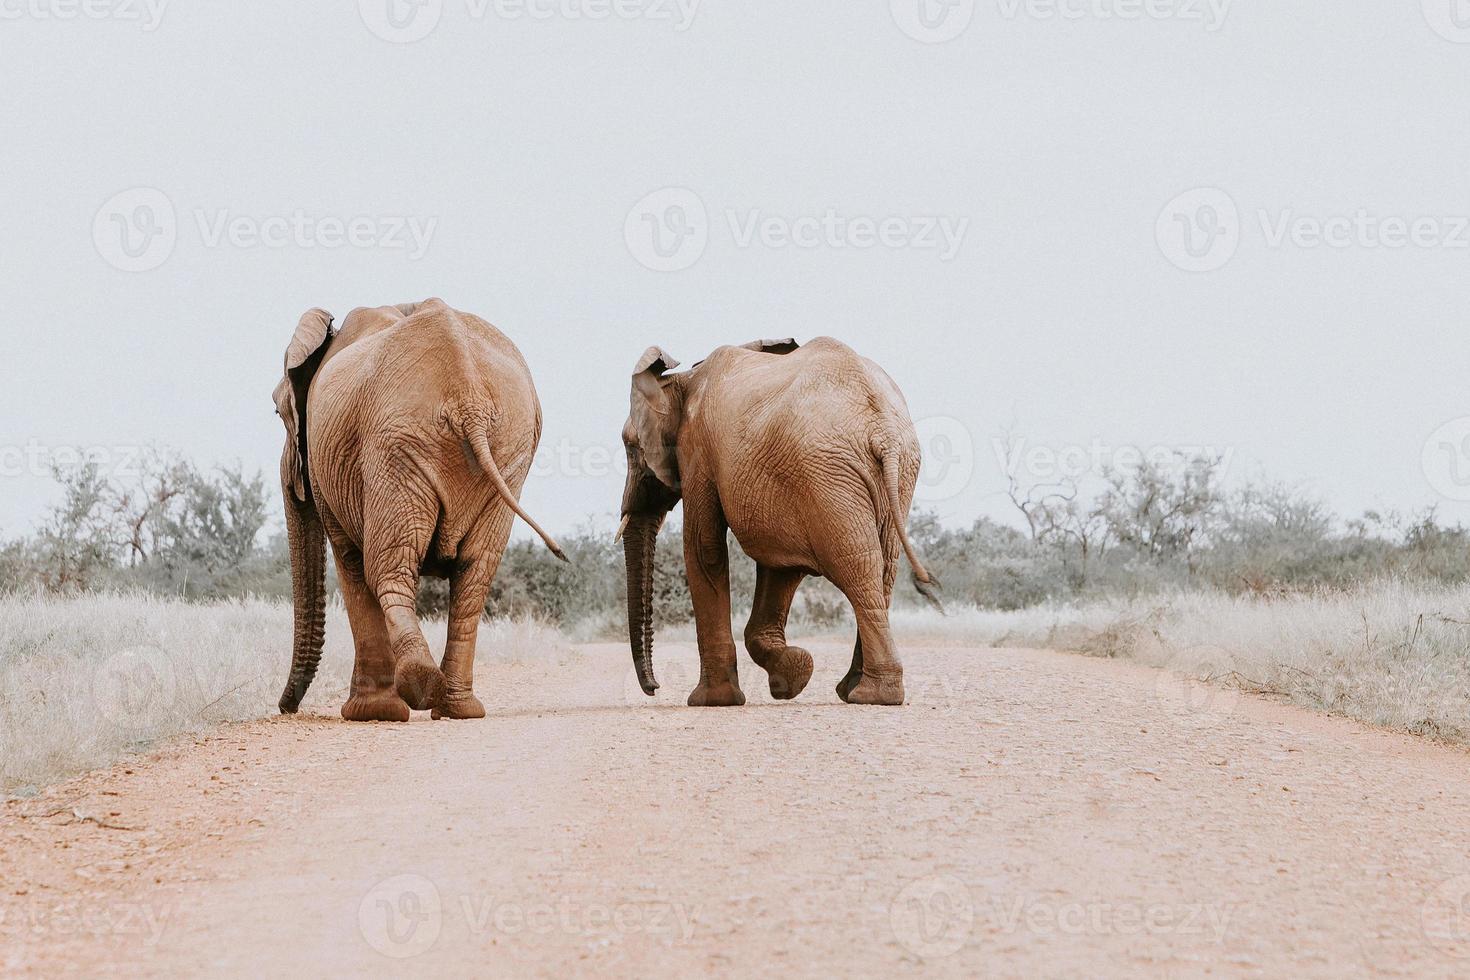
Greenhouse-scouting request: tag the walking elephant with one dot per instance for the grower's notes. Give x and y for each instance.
(409, 434)
(807, 453)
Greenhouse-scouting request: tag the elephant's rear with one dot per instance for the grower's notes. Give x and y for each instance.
(826, 426)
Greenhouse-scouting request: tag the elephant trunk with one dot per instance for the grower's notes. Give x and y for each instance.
(309, 594)
(639, 542)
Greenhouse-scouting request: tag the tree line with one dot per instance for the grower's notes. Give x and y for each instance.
(173, 528)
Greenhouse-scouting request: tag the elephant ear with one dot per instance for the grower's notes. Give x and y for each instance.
(303, 356)
(783, 346)
(656, 416)
(655, 360)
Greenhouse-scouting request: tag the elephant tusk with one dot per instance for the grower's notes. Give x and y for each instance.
(623, 526)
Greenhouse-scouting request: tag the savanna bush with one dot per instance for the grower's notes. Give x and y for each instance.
(177, 530)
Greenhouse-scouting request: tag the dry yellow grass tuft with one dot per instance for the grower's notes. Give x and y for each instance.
(1389, 653)
(86, 680)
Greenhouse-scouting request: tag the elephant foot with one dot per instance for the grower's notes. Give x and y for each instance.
(722, 695)
(845, 686)
(378, 706)
(887, 689)
(789, 671)
(419, 682)
(459, 706)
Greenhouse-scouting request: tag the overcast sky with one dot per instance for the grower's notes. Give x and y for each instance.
(1098, 223)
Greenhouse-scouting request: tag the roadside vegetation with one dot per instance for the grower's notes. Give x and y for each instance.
(159, 604)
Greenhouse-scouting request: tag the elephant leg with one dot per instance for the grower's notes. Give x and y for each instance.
(855, 669)
(866, 577)
(393, 575)
(789, 668)
(372, 697)
(467, 591)
(707, 561)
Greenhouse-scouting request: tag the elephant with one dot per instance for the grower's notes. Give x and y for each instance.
(807, 454)
(409, 434)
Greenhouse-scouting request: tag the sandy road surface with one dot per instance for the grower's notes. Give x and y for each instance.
(1028, 813)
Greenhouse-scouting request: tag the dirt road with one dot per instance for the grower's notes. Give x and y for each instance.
(1028, 813)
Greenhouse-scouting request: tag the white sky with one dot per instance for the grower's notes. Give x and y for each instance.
(527, 142)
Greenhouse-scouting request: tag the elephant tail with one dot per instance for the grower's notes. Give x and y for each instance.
(926, 584)
(472, 428)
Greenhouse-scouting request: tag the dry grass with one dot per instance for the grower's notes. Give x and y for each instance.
(1388, 653)
(84, 681)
